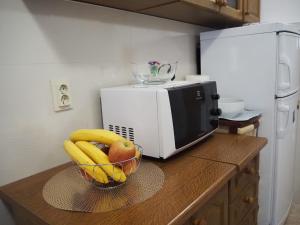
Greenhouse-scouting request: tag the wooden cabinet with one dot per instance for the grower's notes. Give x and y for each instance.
(251, 10)
(211, 13)
(215, 212)
(243, 195)
(243, 187)
(235, 204)
(248, 175)
(129, 5)
(232, 8)
(202, 12)
(250, 218)
(243, 204)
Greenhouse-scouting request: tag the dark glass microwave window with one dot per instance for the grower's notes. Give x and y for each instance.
(190, 108)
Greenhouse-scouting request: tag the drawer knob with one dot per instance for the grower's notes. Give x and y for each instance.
(249, 200)
(200, 222)
(251, 171)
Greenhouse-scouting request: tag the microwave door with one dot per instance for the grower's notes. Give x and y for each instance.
(191, 108)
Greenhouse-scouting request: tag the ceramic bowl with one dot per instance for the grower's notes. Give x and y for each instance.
(231, 107)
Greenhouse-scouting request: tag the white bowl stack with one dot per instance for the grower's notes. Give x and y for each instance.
(231, 107)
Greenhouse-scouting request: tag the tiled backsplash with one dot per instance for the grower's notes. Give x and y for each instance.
(88, 45)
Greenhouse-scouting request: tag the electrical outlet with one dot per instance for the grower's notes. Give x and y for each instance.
(61, 95)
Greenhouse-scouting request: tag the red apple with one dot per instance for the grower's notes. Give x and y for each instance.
(120, 151)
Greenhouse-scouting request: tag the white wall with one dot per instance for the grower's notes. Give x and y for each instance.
(297, 167)
(287, 11)
(90, 46)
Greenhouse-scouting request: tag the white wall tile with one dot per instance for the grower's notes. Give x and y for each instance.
(90, 46)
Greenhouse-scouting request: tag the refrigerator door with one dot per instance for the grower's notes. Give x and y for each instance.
(289, 64)
(285, 156)
(245, 67)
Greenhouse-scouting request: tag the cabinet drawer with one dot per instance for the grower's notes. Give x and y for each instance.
(215, 212)
(248, 175)
(244, 202)
(251, 218)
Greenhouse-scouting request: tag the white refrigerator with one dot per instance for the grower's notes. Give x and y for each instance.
(261, 64)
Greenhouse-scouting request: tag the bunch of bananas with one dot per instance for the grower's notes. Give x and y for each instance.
(92, 159)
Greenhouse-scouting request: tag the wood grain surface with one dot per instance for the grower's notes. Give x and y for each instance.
(201, 12)
(234, 149)
(189, 183)
(191, 179)
(215, 212)
(130, 5)
(191, 12)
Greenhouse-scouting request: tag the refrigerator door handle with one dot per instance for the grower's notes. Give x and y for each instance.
(282, 108)
(284, 60)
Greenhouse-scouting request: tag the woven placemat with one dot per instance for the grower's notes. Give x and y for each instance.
(69, 191)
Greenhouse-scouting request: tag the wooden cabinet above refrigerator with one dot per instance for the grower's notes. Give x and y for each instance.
(210, 13)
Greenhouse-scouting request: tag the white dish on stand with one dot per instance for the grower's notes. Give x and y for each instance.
(231, 107)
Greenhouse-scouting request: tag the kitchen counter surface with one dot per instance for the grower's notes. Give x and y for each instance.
(190, 181)
(233, 149)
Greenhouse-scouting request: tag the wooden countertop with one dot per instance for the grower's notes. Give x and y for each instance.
(229, 148)
(190, 182)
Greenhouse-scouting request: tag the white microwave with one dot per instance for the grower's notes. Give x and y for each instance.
(163, 119)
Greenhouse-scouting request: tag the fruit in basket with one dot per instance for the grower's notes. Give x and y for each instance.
(80, 158)
(99, 157)
(100, 135)
(121, 151)
(130, 167)
(137, 154)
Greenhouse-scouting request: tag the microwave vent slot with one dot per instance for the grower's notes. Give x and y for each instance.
(131, 134)
(125, 132)
(117, 130)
